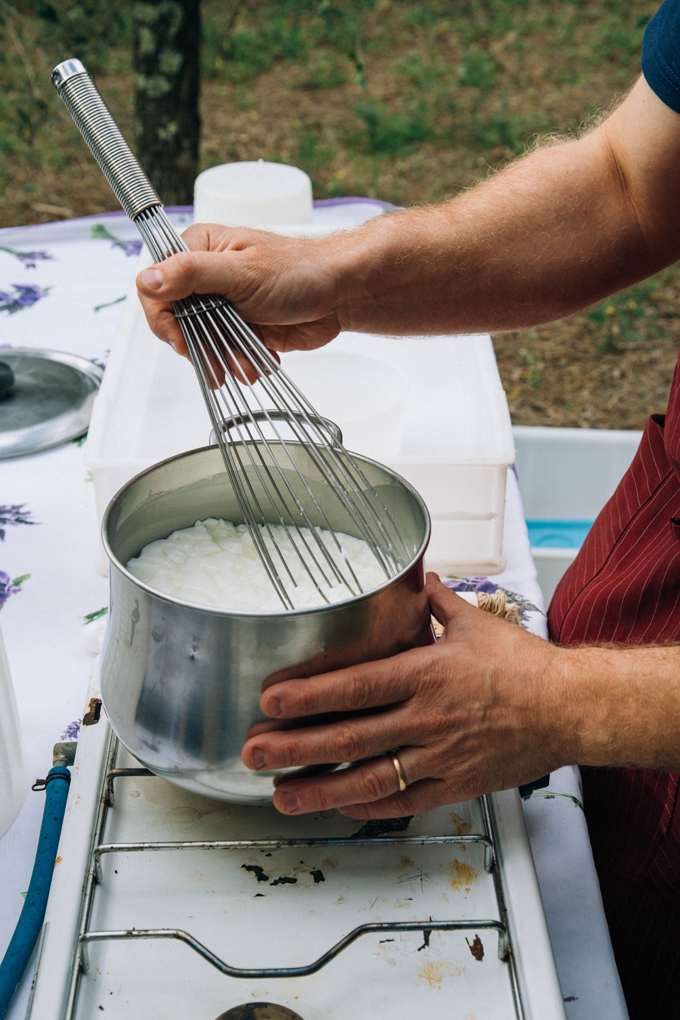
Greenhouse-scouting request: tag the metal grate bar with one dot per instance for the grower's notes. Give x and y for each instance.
(98, 849)
(281, 844)
(292, 972)
(276, 844)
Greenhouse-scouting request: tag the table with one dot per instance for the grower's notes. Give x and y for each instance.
(62, 286)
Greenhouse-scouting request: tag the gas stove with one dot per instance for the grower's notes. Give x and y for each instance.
(168, 906)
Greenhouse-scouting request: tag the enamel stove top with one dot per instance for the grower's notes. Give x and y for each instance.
(169, 906)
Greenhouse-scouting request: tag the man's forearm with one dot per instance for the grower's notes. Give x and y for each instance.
(551, 234)
(620, 706)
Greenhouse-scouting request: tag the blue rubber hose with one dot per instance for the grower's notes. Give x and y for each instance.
(32, 915)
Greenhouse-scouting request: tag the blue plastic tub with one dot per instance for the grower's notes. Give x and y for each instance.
(557, 534)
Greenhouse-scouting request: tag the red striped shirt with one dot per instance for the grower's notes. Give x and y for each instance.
(624, 588)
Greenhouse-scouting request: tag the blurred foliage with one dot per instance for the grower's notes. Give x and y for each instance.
(631, 316)
(88, 31)
(456, 72)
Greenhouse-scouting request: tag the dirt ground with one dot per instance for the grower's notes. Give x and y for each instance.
(429, 104)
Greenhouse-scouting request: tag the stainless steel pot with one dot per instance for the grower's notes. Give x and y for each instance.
(181, 683)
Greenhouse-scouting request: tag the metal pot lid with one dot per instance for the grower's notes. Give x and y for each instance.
(49, 401)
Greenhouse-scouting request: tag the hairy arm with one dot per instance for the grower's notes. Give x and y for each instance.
(557, 230)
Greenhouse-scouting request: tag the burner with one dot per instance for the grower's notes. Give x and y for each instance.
(260, 1011)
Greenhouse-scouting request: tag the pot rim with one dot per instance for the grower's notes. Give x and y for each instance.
(115, 562)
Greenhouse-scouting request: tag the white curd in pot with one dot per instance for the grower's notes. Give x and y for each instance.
(215, 563)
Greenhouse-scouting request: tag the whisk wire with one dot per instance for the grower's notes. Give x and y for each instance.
(289, 520)
(272, 376)
(246, 507)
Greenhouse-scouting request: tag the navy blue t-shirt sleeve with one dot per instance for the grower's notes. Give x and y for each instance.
(661, 54)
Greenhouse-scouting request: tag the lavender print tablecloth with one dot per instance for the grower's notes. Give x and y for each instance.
(62, 286)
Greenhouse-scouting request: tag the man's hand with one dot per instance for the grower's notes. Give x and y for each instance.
(284, 288)
(487, 707)
(475, 712)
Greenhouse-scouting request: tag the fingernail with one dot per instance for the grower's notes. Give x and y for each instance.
(258, 758)
(274, 707)
(153, 278)
(289, 803)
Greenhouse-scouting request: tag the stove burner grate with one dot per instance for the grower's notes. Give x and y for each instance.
(94, 875)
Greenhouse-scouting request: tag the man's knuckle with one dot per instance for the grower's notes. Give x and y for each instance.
(302, 698)
(347, 744)
(289, 754)
(373, 785)
(358, 690)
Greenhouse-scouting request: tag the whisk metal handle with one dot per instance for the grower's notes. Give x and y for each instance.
(92, 118)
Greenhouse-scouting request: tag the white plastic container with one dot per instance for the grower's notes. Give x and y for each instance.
(13, 774)
(365, 396)
(568, 474)
(248, 193)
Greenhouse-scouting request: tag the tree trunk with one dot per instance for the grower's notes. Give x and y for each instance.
(166, 49)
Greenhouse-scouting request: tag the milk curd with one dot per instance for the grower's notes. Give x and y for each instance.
(215, 563)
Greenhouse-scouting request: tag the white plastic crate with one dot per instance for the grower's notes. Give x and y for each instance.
(568, 475)
(456, 446)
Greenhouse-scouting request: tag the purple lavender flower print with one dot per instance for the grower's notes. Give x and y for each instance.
(10, 587)
(475, 584)
(100, 232)
(29, 258)
(72, 730)
(25, 295)
(15, 514)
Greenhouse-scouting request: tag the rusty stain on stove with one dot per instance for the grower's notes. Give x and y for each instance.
(462, 825)
(94, 711)
(434, 973)
(476, 948)
(462, 876)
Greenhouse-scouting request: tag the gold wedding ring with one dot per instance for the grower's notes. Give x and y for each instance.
(401, 775)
